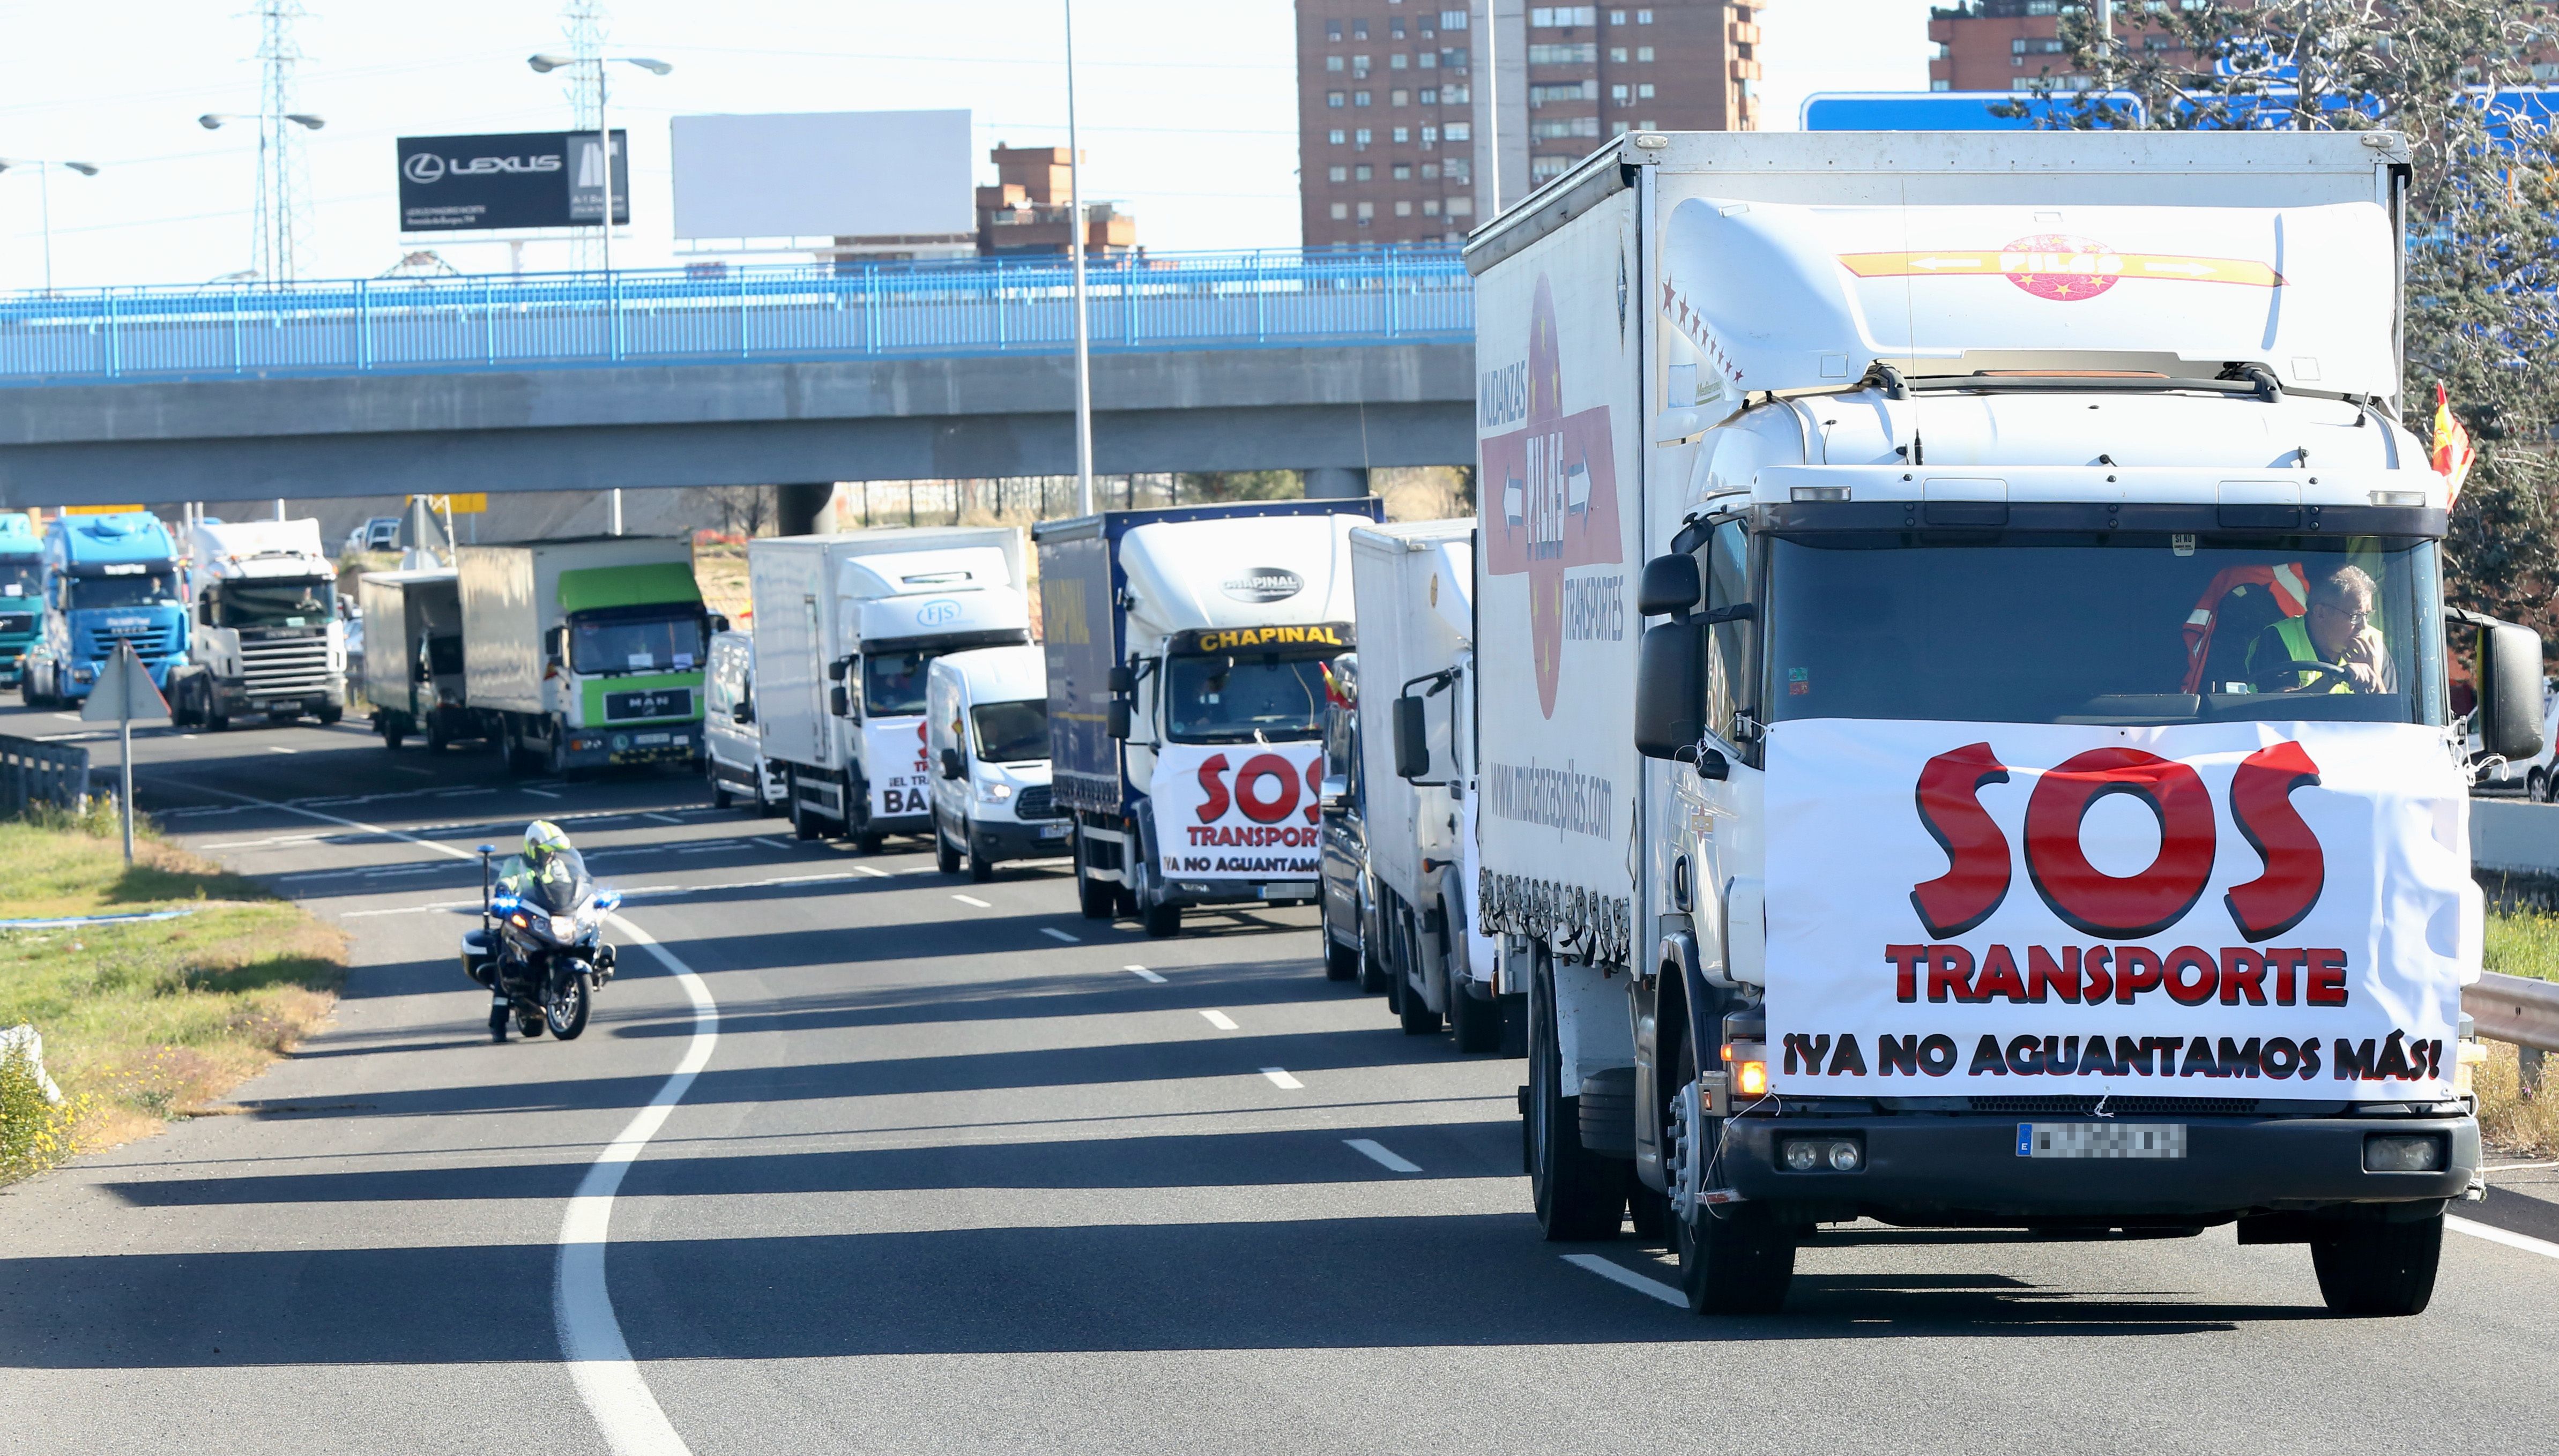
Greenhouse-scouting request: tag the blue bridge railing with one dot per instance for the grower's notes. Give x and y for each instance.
(708, 316)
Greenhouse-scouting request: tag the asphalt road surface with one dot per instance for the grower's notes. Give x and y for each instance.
(957, 1170)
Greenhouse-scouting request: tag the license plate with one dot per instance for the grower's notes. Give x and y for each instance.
(1052, 832)
(1289, 890)
(2101, 1139)
(649, 738)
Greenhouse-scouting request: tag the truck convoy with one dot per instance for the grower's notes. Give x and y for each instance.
(846, 627)
(266, 635)
(412, 663)
(584, 652)
(1415, 585)
(22, 572)
(2035, 802)
(108, 578)
(1187, 697)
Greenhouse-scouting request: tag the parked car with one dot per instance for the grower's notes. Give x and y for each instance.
(379, 533)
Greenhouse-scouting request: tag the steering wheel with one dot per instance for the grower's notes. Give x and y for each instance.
(2326, 670)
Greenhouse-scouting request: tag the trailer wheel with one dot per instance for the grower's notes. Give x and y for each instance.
(1095, 897)
(2377, 1268)
(1411, 1008)
(1580, 1195)
(1735, 1259)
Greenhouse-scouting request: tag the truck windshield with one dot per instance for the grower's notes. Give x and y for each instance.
(142, 589)
(306, 603)
(19, 578)
(1242, 699)
(893, 681)
(2132, 629)
(607, 645)
(1011, 733)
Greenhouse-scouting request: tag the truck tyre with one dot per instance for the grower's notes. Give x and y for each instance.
(1580, 1196)
(803, 824)
(1477, 1023)
(720, 791)
(870, 841)
(945, 857)
(392, 734)
(2377, 1268)
(1342, 962)
(436, 738)
(329, 715)
(980, 869)
(1161, 918)
(1735, 1259)
(1411, 1009)
(1094, 898)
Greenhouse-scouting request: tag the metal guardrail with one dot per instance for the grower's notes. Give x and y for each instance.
(693, 316)
(32, 772)
(2513, 1009)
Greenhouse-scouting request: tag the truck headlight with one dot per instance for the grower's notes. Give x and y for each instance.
(1812, 1154)
(995, 792)
(2403, 1153)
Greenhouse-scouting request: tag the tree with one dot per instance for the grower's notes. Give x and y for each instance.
(2482, 214)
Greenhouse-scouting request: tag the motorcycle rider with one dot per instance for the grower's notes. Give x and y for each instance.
(542, 859)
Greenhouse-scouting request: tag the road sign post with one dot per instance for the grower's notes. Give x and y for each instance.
(125, 693)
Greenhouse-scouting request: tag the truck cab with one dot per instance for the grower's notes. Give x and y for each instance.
(21, 571)
(266, 635)
(109, 578)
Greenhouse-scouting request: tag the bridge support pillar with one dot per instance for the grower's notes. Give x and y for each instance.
(798, 511)
(1336, 483)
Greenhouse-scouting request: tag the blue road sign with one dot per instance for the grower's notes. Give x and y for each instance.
(1930, 111)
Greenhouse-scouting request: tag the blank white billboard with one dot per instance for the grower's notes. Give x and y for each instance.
(823, 174)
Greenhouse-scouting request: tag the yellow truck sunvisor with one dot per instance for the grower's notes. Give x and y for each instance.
(1334, 636)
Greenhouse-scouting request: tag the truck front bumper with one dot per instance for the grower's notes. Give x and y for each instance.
(1967, 1168)
(1244, 892)
(1002, 840)
(605, 747)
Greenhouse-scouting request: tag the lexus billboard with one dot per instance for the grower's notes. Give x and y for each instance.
(514, 180)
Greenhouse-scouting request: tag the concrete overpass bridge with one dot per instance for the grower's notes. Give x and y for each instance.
(1325, 363)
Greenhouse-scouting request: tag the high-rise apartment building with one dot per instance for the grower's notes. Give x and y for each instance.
(1419, 118)
(2016, 45)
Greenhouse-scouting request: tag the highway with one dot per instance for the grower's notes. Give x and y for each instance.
(959, 1171)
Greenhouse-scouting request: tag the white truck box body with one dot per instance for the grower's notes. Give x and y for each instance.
(1414, 583)
(510, 599)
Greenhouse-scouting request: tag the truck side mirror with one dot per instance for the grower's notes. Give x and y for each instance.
(835, 669)
(1118, 714)
(555, 644)
(1669, 584)
(951, 765)
(2510, 720)
(1670, 686)
(1124, 681)
(744, 712)
(1412, 739)
(839, 701)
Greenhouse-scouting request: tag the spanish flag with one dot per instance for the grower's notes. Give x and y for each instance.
(2453, 453)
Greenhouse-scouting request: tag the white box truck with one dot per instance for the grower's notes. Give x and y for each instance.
(1414, 588)
(585, 651)
(2036, 803)
(1187, 697)
(412, 663)
(266, 637)
(845, 627)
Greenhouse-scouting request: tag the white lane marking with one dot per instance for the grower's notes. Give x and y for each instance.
(703, 848)
(280, 748)
(462, 792)
(1280, 1078)
(2515, 1167)
(1222, 1021)
(542, 793)
(1617, 1273)
(664, 818)
(268, 843)
(1054, 933)
(599, 1357)
(412, 909)
(973, 900)
(2495, 1235)
(1143, 974)
(69, 717)
(863, 869)
(405, 769)
(1379, 1153)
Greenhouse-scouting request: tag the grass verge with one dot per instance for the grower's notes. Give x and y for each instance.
(2523, 941)
(149, 1020)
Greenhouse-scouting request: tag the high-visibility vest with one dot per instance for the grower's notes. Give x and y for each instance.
(2295, 635)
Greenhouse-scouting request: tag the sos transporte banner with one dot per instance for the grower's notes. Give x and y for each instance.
(1238, 811)
(2262, 910)
(900, 771)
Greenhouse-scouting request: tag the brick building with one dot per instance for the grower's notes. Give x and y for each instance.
(1396, 107)
(2014, 44)
(1028, 210)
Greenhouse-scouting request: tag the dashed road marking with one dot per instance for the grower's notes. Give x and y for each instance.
(664, 818)
(280, 748)
(1221, 1021)
(973, 900)
(1379, 1153)
(1280, 1078)
(1054, 933)
(462, 792)
(875, 874)
(541, 793)
(1143, 974)
(1617, 1273)
(407, 768)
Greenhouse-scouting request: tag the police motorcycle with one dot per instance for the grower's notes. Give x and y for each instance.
(540, 948)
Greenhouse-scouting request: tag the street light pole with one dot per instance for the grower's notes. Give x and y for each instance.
(1074, 248)
(604, 141)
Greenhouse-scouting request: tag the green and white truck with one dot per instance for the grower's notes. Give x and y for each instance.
(585, 652)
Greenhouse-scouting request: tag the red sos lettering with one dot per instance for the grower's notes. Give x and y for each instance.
(1260, 803)
(1977, 876)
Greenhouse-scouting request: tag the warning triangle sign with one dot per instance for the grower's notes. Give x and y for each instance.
(124, 690)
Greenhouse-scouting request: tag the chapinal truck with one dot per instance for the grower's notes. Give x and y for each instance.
(1187, 697)
(22, 574)
(586, 651)
(2035, 801)
(109, 578)
(846, 627)
(266, 637)
(1415, 587)
(412, 672)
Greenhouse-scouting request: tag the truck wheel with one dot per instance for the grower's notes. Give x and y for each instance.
(437, 740)
(1580, 1196)
(1161, 918)
(945, 858)
(1735, 1259)
(1342, 962)
(1477, 1023)
(329, 715)
(980, 868)
(803, 824)
(392, 737)
(872, 842)
(2377, 1268)
(1095, 897)
(1411, 1009)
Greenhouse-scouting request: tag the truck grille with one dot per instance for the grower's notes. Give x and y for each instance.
(149, 643)
(1035, 803)
(285, 666)
(15, 623)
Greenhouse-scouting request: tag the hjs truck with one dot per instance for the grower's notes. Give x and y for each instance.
(1187, 651)
(1966, 732)
(846, 630)
(266, 638)
(109, 578)
(583, 652)
(21, 571)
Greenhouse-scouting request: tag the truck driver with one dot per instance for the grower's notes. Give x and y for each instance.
(2337, 631)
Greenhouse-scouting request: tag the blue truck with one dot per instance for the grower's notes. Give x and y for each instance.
(107, 579)
(22, 570)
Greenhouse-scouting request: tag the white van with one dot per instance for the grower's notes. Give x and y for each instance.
(732, 749)
(987, 734)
